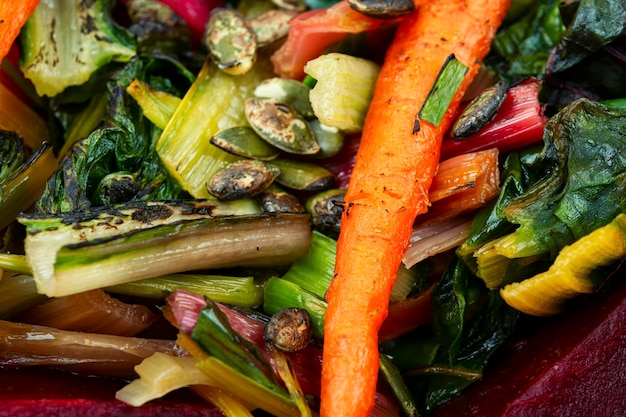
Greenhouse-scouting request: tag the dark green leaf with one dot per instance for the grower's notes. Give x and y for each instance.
(526, 44)
(217, 338)
(596, 23)
(582, 191)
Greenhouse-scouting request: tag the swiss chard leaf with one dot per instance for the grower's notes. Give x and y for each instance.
(125, 144)
(470, 324)
(526, 44)
(584, 190)
(217, 338)
(596, 23)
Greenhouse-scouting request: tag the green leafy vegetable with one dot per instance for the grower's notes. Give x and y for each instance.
(65, 43)
(214, 334)
(526, 44)
(595, 24)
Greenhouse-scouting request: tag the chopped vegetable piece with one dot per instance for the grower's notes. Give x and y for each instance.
(228, 379)
(312, 31)
(90, 311)
(214, 102)
(240, 291)
(343, 91)
(18, 293)
(72, 258)
(84, 353)
(54, 60)
(158, 106)
(160, 374)
(449, 79)
(545, 293)
(518, 123)
(436, 237)
(389, 186)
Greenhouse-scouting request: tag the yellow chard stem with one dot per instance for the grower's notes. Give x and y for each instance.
(544, 294)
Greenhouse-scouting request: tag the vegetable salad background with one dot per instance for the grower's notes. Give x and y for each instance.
(307, 207)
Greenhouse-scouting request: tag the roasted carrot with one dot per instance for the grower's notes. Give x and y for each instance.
(395, 164)
(13, 15)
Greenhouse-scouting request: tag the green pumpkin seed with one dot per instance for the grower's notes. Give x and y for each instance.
(295, 5)
(280, 125)
(242, 179)
(277, 200)
(304, 176)
(271, 25)
(243, 141)
(231, 42)
(330, 139)
(383, 9)
(293, 92)
(326, 209)
(480, 111)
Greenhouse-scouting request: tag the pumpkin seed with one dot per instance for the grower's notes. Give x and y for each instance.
(326, 209)
(295, 5)
(231, 42)
(271, 25)
(243, 141)
(383, 9)
(480, 111)
(279, 124)
(304, 176)
(330, 139)
(277, 200)
(241, 179)
(289, 329)
(293, 92)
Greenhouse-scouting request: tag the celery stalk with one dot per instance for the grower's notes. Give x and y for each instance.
(157, 106)
(241, 291)
(280, 293)
(160, 374)
(315, 271)
(214, 102)
(544, 294)
(18, 293)
(344, 89)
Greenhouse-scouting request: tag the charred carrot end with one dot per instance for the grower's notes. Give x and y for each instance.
(389, 187)
(13, 15)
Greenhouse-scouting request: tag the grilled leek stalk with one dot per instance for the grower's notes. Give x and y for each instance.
(78, 251)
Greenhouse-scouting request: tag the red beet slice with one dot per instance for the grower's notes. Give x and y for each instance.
(575, 365)
(38, 392)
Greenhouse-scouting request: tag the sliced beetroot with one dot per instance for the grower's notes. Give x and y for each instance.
(574, 365)
(38, 392)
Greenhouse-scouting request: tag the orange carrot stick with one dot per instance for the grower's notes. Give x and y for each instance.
(13, 15)
(389, 188)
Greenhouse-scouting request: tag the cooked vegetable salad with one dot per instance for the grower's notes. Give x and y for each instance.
(303, 207)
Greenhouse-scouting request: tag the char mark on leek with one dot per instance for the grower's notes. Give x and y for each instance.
(69, 253)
